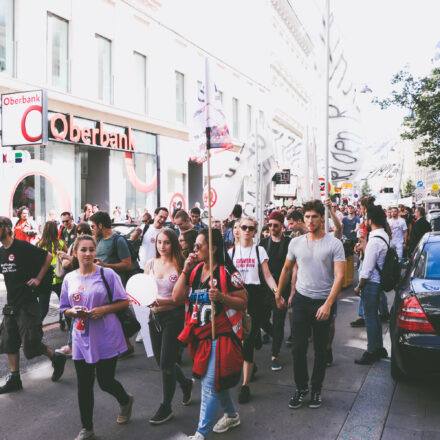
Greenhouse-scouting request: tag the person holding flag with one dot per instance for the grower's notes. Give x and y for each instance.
(217, 302)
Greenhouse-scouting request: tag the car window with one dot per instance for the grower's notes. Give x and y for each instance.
(419, 269)
(432, 265)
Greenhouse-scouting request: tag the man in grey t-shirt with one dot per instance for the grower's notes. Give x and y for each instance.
(321, 263)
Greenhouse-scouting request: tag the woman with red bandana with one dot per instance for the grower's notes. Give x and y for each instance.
(217, 362)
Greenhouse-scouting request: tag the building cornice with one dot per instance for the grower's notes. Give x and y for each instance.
(288, 122)
(290, 19)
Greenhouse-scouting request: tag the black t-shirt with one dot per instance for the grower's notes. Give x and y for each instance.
(18, 264)
(277, 252)
(233, 282)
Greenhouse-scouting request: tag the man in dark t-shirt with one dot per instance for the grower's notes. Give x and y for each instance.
(24, 267)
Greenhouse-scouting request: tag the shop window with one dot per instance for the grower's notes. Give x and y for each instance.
(180, 97)
(104, 69)
(58, 52)
(140, 86)
(7, 36)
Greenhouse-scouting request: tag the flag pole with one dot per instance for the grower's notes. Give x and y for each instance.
(208, 160)
(327, 80)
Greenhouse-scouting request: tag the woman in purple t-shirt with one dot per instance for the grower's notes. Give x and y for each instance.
(97, 333)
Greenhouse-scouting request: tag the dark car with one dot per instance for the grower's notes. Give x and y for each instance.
(415, 317)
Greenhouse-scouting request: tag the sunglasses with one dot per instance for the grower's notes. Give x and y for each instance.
(245, 228)
(197, 246)
(65, 221)
(274, 225)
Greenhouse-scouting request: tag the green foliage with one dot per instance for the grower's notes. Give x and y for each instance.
(409, 188)
(422, 98)
(366, 189)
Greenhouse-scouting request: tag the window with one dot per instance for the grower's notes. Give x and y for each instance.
(7, 36)
(249, 119)
(180, 97)
(261, 117)
(57, 52)
(219, 96)
(104, 69)
(140, 71)
(235, 118)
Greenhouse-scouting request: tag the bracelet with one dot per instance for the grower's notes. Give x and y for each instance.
(186, 273)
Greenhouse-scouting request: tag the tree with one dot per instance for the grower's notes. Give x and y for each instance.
(409, 188)
(366, 190)
(422, 98)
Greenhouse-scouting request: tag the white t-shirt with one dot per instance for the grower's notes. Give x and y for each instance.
(148, 246)
(246, 261)
(398, 226)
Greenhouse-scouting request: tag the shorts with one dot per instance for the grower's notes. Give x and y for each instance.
(23, 329)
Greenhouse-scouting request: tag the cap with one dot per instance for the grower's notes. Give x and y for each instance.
(276, 215)
(5, 222)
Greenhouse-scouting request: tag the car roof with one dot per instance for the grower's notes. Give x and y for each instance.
(433, 237)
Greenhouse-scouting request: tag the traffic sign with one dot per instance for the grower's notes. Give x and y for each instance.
(419, 183)
(419, 194)
(177, 202)
(355, 196)
(435, 187)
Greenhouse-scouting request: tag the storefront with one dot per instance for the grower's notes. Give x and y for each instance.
(83, 161)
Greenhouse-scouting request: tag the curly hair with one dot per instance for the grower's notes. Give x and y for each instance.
(314, 205)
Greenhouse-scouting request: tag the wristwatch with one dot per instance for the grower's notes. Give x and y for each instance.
(275, 290)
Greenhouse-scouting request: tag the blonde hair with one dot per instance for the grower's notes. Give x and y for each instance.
(252, 219)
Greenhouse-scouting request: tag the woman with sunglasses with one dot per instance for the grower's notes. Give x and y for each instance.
(218, 362)
(98, 338)
(251, 261)
(70, 263)
(166, 322)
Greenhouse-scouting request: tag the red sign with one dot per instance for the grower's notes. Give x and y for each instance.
(62, 127)
(322, 186)
(213, 197)
(177, 202)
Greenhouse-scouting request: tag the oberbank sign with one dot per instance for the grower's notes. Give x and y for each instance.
(26, 121)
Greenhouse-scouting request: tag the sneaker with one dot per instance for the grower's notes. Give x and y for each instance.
(125, 411)
(139, 338)
(266, 339)
(13, 383)
(225, 423)
(126, 354)
(382, 353)
(162, 415)
(196, 436)
(298, 398)
(367, 358)
(66, 350)
(289, 341)
(329, 358)
(360, 322)
(254, 373)
(187, 392)
(244, 395)
(85, 434)
(316, 400)
(58, 363)
(276, 366)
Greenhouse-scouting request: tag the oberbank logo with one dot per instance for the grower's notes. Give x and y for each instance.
(23, 118)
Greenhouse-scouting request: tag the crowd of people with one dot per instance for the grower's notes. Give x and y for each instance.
(259, 273)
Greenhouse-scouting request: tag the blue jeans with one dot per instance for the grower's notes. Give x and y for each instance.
(383, 306)
(211, 399)
(371, 297)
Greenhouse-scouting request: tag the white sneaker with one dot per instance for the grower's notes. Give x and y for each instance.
(139, 337)
(225, 423)
(85, 434)
(196, 436)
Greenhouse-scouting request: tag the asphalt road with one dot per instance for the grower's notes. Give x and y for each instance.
(359, 402)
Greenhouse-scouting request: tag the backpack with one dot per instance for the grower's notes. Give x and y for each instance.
(390, 273)
(133, 254)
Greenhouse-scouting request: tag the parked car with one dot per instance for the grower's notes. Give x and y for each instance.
(415, 315)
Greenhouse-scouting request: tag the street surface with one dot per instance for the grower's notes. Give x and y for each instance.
(359, 402)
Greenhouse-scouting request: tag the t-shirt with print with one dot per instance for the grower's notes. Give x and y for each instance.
(246, 261)
(315, 264)
(18, 264)
(397, 226)
(147, 250)
(199, 289)
(68, 236)
(94, 339)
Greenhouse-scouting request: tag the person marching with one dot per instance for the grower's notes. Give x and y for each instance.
(218, 362)
(251, 261)
(166, 322)
(97, 332)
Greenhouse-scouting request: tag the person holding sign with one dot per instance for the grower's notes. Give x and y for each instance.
(218, 362)
(166, 321)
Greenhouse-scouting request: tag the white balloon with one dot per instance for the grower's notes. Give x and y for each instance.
(142, 289)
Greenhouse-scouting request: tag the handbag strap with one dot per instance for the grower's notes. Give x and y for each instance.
(107, 287)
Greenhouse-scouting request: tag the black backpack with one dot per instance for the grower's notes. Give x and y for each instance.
(390, 273)
(134, 258)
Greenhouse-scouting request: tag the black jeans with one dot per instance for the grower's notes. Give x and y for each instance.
(105, 373)
(304, 319)
(279, 318)
(165, 327)
(255, 308)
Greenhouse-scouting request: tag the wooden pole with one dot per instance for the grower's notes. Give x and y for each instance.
(211, 262)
